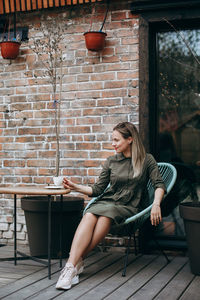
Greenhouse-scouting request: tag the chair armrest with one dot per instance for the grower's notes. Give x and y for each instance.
(138, 215)
(89, 203)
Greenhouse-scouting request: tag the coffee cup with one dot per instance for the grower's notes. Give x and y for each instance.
(58, 181)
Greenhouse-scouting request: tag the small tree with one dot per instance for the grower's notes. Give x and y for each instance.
(48, 42)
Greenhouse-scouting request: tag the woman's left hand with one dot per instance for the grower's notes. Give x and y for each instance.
(156, 217)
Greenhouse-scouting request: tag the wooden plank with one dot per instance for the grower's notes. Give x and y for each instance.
(114, 278)
(1, 7)
(144, 82)
(56, 3)
(23, 5)
(12, 6)
(62, 2)
(50, 3)
(28, 4)
(17, 2)
(160, 280)
(11, 289)
(138, 280)
(45, 289)
(33, 283)
(193, 290)
(34, 5)
(7, 8)
(92, 275)
(39, 3)
(177, 285)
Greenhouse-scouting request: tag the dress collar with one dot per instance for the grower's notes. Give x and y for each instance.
(120, 156)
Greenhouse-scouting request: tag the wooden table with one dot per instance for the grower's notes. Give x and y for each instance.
(36, 190)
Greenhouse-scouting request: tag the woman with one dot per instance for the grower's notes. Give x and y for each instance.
(122, 192)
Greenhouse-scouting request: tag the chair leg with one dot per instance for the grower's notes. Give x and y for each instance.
(161, 250)
(126, 257)
(135, 245)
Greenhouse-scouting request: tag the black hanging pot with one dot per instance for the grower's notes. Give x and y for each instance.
(190, 212)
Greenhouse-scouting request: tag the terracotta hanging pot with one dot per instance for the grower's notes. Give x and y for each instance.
(10, 49)
(95, 40)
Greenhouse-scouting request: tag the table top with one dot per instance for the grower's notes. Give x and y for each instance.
(32, 190)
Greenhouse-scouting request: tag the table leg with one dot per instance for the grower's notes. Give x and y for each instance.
(15, 229)
(49, 236)
(61, 228)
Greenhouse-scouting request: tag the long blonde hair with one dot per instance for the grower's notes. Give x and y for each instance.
(127, 129)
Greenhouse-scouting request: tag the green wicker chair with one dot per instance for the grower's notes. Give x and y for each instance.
(131, 224)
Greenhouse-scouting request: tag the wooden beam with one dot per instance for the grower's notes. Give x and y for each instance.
(10, 6)
(141, 6)
(1, 7)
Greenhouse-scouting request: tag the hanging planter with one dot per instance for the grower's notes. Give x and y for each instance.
(11, 41)
(95, 40)
(10, 49)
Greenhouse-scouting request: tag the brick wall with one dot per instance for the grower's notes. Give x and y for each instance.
(100, 89)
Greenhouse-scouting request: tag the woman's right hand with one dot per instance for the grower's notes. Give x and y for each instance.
(68, 184)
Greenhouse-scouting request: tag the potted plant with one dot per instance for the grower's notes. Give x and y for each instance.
(49, 45)
(95, 40)
(190, 212)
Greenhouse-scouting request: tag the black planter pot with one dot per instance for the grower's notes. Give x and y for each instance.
(190, 212)
(36, 215)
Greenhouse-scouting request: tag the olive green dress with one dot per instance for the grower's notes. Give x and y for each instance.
(119, 194)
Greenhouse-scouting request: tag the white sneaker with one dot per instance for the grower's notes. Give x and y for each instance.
(68, 277)
(80, 266)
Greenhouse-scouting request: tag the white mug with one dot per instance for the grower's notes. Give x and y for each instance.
(58, 181)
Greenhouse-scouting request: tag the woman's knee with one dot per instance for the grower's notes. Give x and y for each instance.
(90, 217)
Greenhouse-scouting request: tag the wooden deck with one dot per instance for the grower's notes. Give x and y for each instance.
(148, 277)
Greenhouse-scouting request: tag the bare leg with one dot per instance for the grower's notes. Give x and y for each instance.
(101, 230)
(90, 232)
(82, 237)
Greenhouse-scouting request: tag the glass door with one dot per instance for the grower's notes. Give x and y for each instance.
(178, 115)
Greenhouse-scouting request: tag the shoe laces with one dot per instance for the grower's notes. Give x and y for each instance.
(67, 270)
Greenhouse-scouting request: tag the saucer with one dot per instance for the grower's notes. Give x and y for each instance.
(54, 187)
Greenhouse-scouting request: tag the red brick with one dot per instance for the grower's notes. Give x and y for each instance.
(118, 16)
(26, 139)
(38, 163)
(87, 69)
(75, 154)
(89, 120)
(103, 76)
(78, 129)
(26, 171)
(93, 172)
(88, 146)
(108, 102)
(26, 179)
(114, 93)
(116, 84)
(92, 163)
(111, 59)
(101, 154)
(44, 172)
(29, 131)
